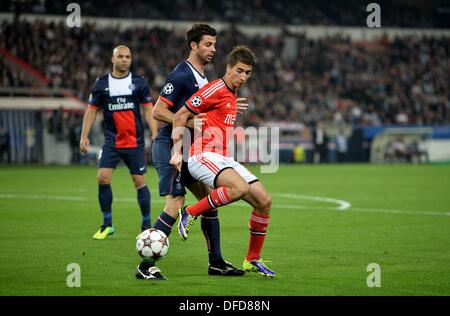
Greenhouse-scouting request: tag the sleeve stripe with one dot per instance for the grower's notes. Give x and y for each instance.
(170, 103)
(147, 104)
(211, 92)
(211, 87)
(190, 110)
(93, 106)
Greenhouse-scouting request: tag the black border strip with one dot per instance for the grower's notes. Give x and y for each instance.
(190, 110)
(217, 175)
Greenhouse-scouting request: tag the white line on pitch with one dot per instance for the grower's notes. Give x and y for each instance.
(275, 205)
(343, 205)
(42, 197)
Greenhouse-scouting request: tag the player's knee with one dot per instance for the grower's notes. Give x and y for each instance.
(173, 205)
(266, 204)
(139, 182)
(238, 191)
(103, 179)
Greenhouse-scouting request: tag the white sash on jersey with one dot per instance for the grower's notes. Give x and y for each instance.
(120, 86)
(201, 81)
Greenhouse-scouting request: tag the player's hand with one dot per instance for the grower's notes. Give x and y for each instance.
(242, 105)
(84, 144)
(199, 120)
(176, 161)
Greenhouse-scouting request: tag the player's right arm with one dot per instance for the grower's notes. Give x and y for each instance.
(95, 99)
(88, 122)
(170, 93)
(161, 112)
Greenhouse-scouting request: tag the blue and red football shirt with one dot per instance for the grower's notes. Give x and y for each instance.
(120, 100)
(181, 83)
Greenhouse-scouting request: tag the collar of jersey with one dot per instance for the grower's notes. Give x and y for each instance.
(234, 92)
(192, 66)
(129, 73)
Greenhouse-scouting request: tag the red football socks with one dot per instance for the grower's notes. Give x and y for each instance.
(258, 226)
(216, 198)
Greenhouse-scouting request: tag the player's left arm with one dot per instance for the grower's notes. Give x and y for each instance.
(88, 121)
(147, 103)
(179, 124)
(152, 123)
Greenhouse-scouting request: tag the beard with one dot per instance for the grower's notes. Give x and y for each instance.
(123, 68)
(206, 60)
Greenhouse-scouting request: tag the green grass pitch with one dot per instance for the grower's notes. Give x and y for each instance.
(328, 224)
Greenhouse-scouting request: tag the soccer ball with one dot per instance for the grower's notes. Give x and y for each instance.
(152, 244)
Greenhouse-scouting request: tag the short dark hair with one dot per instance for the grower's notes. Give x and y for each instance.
(196, 33)
(243, 54)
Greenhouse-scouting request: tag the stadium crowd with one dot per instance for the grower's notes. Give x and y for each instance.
(400, 81)
(399, 13)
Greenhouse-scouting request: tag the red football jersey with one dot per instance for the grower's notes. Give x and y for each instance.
(220, 105)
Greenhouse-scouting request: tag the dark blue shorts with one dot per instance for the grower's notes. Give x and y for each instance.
(134, 158)
(170, 181)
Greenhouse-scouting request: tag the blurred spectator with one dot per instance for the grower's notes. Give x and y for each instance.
(74, 125)
(30, 142)
(396, 151)
(299, 154)
(5, 146)
(320, 140)
(342, 145)
(56, 124)
(419, 151)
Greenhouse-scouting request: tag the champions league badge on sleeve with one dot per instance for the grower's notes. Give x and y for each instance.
(132, 87)
(196, 101)
(168, 88)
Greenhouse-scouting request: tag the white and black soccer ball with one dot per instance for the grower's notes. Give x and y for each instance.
(152, 244)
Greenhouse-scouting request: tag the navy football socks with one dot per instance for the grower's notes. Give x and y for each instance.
(164, 223)
(105, 199)
(211, 229)
(143, 197)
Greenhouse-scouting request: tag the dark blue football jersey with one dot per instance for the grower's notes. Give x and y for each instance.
(120, 100)
(180, 85)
